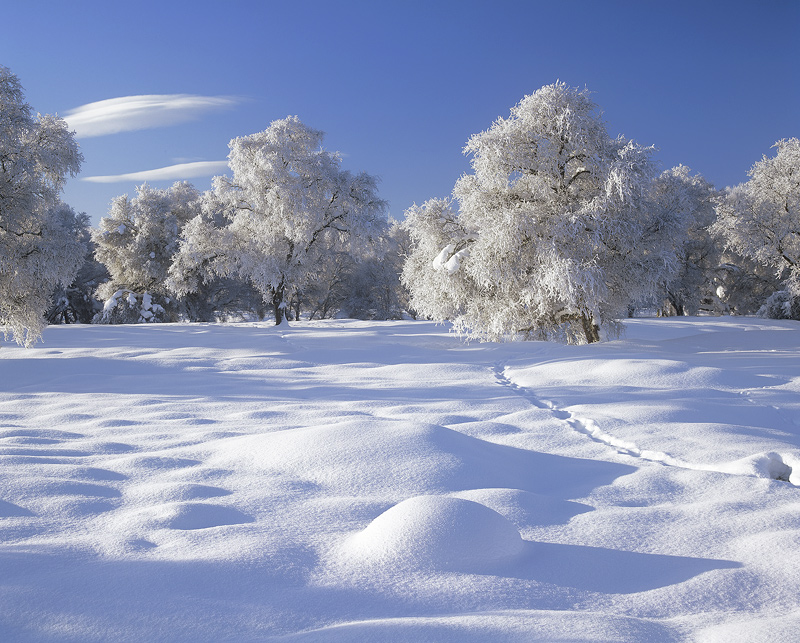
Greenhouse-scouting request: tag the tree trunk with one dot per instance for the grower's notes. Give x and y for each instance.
(278, 304)
(590, 330)
(677, 304)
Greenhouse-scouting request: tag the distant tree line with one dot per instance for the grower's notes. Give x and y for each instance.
(558, 232)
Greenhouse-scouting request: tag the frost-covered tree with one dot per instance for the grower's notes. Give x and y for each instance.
(740, 285)
(679, 194)
(204, 294)
(288, 204)
(325, 293)
(781, 305)
(361, 283)
(553, 236)
(372, 288)
(439, 243)
(760, 219)
(77, 303)
(38, 245)
(136, 242)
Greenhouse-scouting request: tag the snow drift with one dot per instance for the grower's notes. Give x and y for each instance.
(360, 481)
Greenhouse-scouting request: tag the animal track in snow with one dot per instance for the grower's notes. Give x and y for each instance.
(777, 466)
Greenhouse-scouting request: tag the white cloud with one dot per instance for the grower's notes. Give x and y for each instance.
(130, 113)
(169, 173)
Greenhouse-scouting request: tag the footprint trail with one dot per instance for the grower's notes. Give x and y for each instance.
(776, 466)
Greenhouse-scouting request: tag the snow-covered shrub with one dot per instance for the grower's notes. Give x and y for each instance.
(781, 305)
(128, 307)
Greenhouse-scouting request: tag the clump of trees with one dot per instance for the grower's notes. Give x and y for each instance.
(287, 208)
(558, 232)
(288, 230)
(760, 220)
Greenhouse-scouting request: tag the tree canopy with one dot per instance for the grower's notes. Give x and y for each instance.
(39, 245)
(761, 218)
(287, 204)
(553, 235)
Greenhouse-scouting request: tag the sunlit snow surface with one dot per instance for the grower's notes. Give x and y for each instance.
(356, 481)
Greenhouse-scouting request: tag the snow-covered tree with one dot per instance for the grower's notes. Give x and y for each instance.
(439, 243)
(360, 283)
(77, 303)
(327, 289)
(38, 245)
(781, 305)
(761, 218)
(204, 294)
(554, 235)
(288, 204)
(677, 193)
(137, 242)
(372, 288)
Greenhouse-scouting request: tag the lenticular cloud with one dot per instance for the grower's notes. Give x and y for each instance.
(130, 113)
(169, 173)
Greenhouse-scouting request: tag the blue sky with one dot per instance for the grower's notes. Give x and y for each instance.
(399, 87)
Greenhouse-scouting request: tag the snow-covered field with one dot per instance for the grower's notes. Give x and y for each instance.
(358, 481)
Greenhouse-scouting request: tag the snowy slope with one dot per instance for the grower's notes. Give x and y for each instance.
(356, 481)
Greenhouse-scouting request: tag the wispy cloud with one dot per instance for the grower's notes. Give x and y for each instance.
(130, 113)
(169, 173)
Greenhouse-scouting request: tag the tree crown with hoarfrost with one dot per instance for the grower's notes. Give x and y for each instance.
(137, 242)
(287, 204)
(761, 218)
(553, 236)
(140, 235)
(39, 247)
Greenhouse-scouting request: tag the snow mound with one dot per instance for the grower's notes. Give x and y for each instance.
(437, 533)
(777, 466)
(396, 459)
